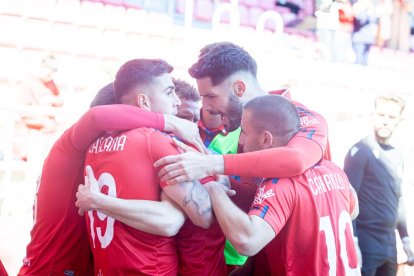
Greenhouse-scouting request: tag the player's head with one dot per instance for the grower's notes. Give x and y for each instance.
(222, 72)
(190, 101)
(147, 83)
(387, 115)
(105, 96)
(267, 122)
(48, 67)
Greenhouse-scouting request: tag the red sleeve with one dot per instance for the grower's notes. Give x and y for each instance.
(111, 118)
(303, 151)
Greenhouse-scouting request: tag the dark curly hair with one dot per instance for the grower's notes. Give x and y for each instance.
(220, 60)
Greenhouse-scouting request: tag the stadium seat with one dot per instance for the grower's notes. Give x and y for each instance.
(13, 7)
(64, 38)
(10, 69)
(251, 3)
(67, 11)
(244, 13)
(89, 41)
(41, 9)
(113, 44)
(267, 4)
(134, 4)
(115, 17)
(11, 37)
(113, 2)
(92, 14)
(180, 6)
(203, 10)
(37, 34)
(254, 14)
(160, 6)
(136, 21)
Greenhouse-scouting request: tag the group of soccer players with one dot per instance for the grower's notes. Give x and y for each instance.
(156, 206)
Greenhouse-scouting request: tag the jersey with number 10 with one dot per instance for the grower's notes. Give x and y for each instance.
(310, 215)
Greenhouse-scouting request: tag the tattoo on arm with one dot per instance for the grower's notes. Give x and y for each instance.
(196, 193)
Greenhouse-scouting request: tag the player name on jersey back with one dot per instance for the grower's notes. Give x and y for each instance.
(326, 183)
(108, 144)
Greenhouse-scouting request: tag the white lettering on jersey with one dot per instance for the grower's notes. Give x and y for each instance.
(262, 195)
(305, 121)
(326, 183)
(107, 144)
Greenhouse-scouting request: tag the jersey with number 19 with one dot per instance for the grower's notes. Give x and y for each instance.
(310, 215)
(123, 165)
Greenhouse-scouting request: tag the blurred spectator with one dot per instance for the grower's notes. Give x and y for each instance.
(327, 24)
(383, 11)
(343, 44)
(40, 96)
(41, 90)
(365, 30)
(375, 170)
(401, 25)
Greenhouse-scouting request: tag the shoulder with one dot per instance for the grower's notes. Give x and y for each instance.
(278, 185)
(150, 133)
(363, 147)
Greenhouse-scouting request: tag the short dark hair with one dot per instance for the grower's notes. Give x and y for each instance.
(105, 96)
(220, 60)
(186, 91)
(275, 114)
(138, 72)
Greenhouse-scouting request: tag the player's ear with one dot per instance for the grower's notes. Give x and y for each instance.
(239, 87)
(143, 102)
(266, 140)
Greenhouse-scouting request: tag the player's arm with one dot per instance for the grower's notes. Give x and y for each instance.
(123, 117)
(248, 234)
(403, 232)
(303, 151)
(192, 197)
(160, 218)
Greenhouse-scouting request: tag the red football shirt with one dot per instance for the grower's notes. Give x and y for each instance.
(123, 165)
(310, 215)
(200, 251)
(273, 162)
(59, 241)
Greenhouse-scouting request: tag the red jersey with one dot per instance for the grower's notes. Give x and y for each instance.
(3, 271)
(200, 251)
(310, 215)
(59, 241)
(273, 162)
(123, 165)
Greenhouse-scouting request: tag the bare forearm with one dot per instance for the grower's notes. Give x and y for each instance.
(193, 198)
(235, 224)
(160, 218)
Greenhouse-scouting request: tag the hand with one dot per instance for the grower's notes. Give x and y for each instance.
(87, 193)
(214, 184)
(186, 130)
(408, 251)
(358, 251)
(184, 167)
